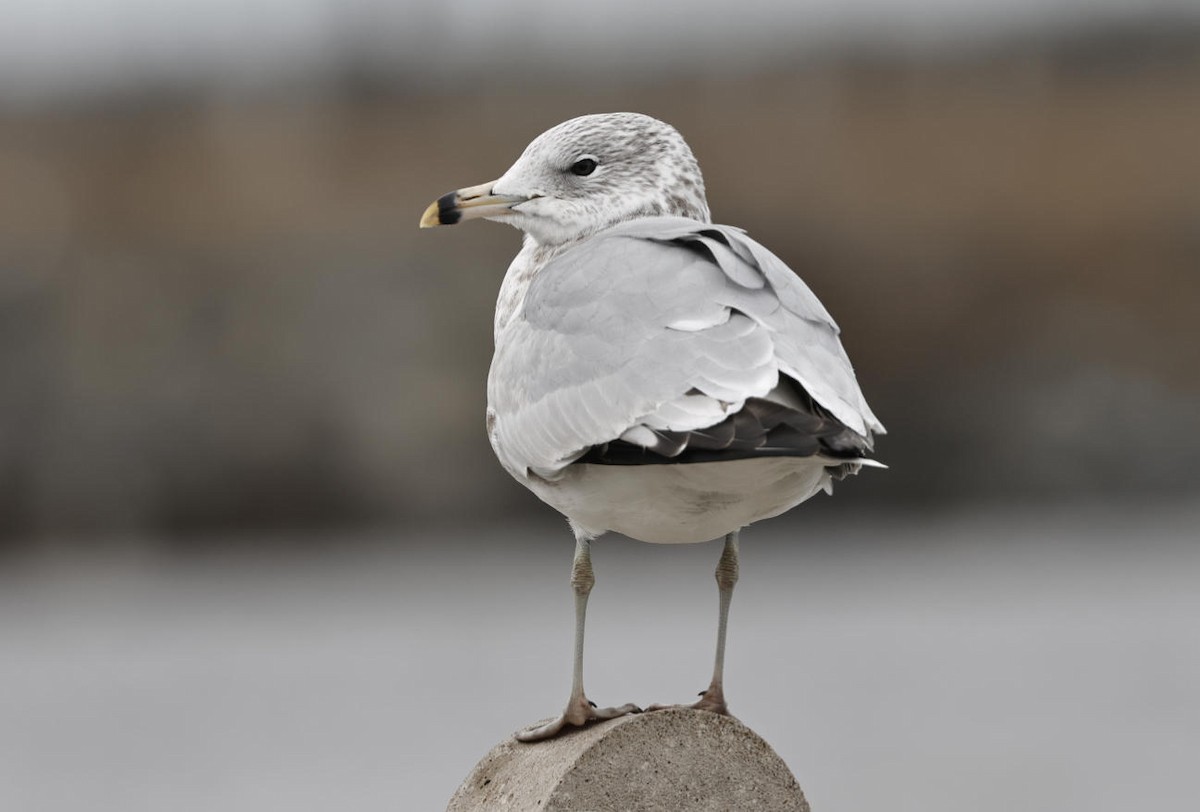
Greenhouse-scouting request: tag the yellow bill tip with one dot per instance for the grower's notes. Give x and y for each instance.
(430, 218)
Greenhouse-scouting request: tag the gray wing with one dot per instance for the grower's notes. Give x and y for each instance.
(656, 329)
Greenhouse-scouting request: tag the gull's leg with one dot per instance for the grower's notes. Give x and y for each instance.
(713, 699)
(579, 710)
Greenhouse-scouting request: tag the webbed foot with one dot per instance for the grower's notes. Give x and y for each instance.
(578, 713)
(712, 700)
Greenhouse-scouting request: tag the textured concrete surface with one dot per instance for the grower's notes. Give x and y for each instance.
(678, 759)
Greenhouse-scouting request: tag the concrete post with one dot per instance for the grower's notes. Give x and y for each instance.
(669, 761)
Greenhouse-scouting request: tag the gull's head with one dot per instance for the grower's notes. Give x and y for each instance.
(583, 176)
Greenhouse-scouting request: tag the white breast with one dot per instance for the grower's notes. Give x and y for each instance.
(673, 504)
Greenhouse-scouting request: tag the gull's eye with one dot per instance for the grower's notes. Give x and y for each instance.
(584, 166)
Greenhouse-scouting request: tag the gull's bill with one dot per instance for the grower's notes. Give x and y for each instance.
(470, 203)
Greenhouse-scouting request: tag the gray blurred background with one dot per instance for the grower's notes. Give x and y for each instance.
(252, 534)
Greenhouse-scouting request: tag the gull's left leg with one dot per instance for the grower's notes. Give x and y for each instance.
(579, 710)
(713, 699)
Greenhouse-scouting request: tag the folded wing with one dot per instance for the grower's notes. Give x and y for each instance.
(670, 340)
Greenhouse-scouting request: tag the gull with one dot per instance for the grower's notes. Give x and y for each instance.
(654, 374)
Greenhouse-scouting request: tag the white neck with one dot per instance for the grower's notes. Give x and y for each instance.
(528, 262)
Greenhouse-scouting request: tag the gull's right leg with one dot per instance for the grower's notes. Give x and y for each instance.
(579, 710)
(713, 699)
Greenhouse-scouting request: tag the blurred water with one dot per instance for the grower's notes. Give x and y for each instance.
(982, 661)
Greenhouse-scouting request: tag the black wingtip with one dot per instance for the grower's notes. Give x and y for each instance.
(762, 428)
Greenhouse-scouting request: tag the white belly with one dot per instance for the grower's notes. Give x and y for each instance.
(673, 504)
